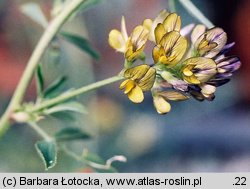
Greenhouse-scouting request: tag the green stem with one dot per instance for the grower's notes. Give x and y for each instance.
(74, 93)
(171, 4)
(193, 10)
(40, 131)
(37, 54)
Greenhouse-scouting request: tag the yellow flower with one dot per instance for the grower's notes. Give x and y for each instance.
(139, 79)
(170, 49)
(160, 100)
(131, 46)
(171, 23)
(118, 39)
(208, 43)
(198, 70)
(136, 43)
(151, 25)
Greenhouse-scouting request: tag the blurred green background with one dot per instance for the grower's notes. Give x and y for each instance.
(193, 137)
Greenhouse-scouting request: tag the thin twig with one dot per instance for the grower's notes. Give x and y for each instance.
(194, 11)
(73, 93)
(40, 131)
(54, 26)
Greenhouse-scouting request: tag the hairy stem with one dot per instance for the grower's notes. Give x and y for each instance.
(74, 93)
(40, 131)
(194, 11)
(54, 26)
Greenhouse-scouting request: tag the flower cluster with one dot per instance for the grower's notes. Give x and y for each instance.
(188, 62)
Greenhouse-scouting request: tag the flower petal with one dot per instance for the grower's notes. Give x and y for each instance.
(186, 30)
(207, 90)
(161, 105)
(136, 72)
(175, 47)
(197, 32)
(159, 19)
(129, 86)
(173, 95)
(211, 42)
(124, 29)
(136, 95)
(147, 82)
(147, 24)
(117, 41)
(172, 23)
(159, 33)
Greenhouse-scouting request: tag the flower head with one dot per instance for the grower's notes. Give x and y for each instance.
(139, 79)
(170, 49)
(198, 70)
(210, 42)
(189, 62)
(131, 46)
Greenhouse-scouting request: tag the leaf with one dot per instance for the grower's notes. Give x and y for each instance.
(69, 134)
(54, 86)
(81, 43)
(67, 106)
(34, 12)
(85, 6)
(39, 80)
(48, 152)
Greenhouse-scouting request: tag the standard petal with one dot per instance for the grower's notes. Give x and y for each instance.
(186, 30)
(147, 82)
(139, 37)
(175, 47)
(172, 23)
(117, 41)
(159, 19)
(147, 23)
(136, 72)
(159, 33)
(197, 32)
(136, 95)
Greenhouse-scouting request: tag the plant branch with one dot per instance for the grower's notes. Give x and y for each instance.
(40, 131)
(74, 93)
(194, 11)
(54, 26)
(171, 4)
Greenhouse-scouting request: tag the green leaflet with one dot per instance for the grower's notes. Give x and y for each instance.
(69, 134)
(34, 12)
(67, 106)
(81, 43)
(48, 152)
(39, 81)
(53, 88)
